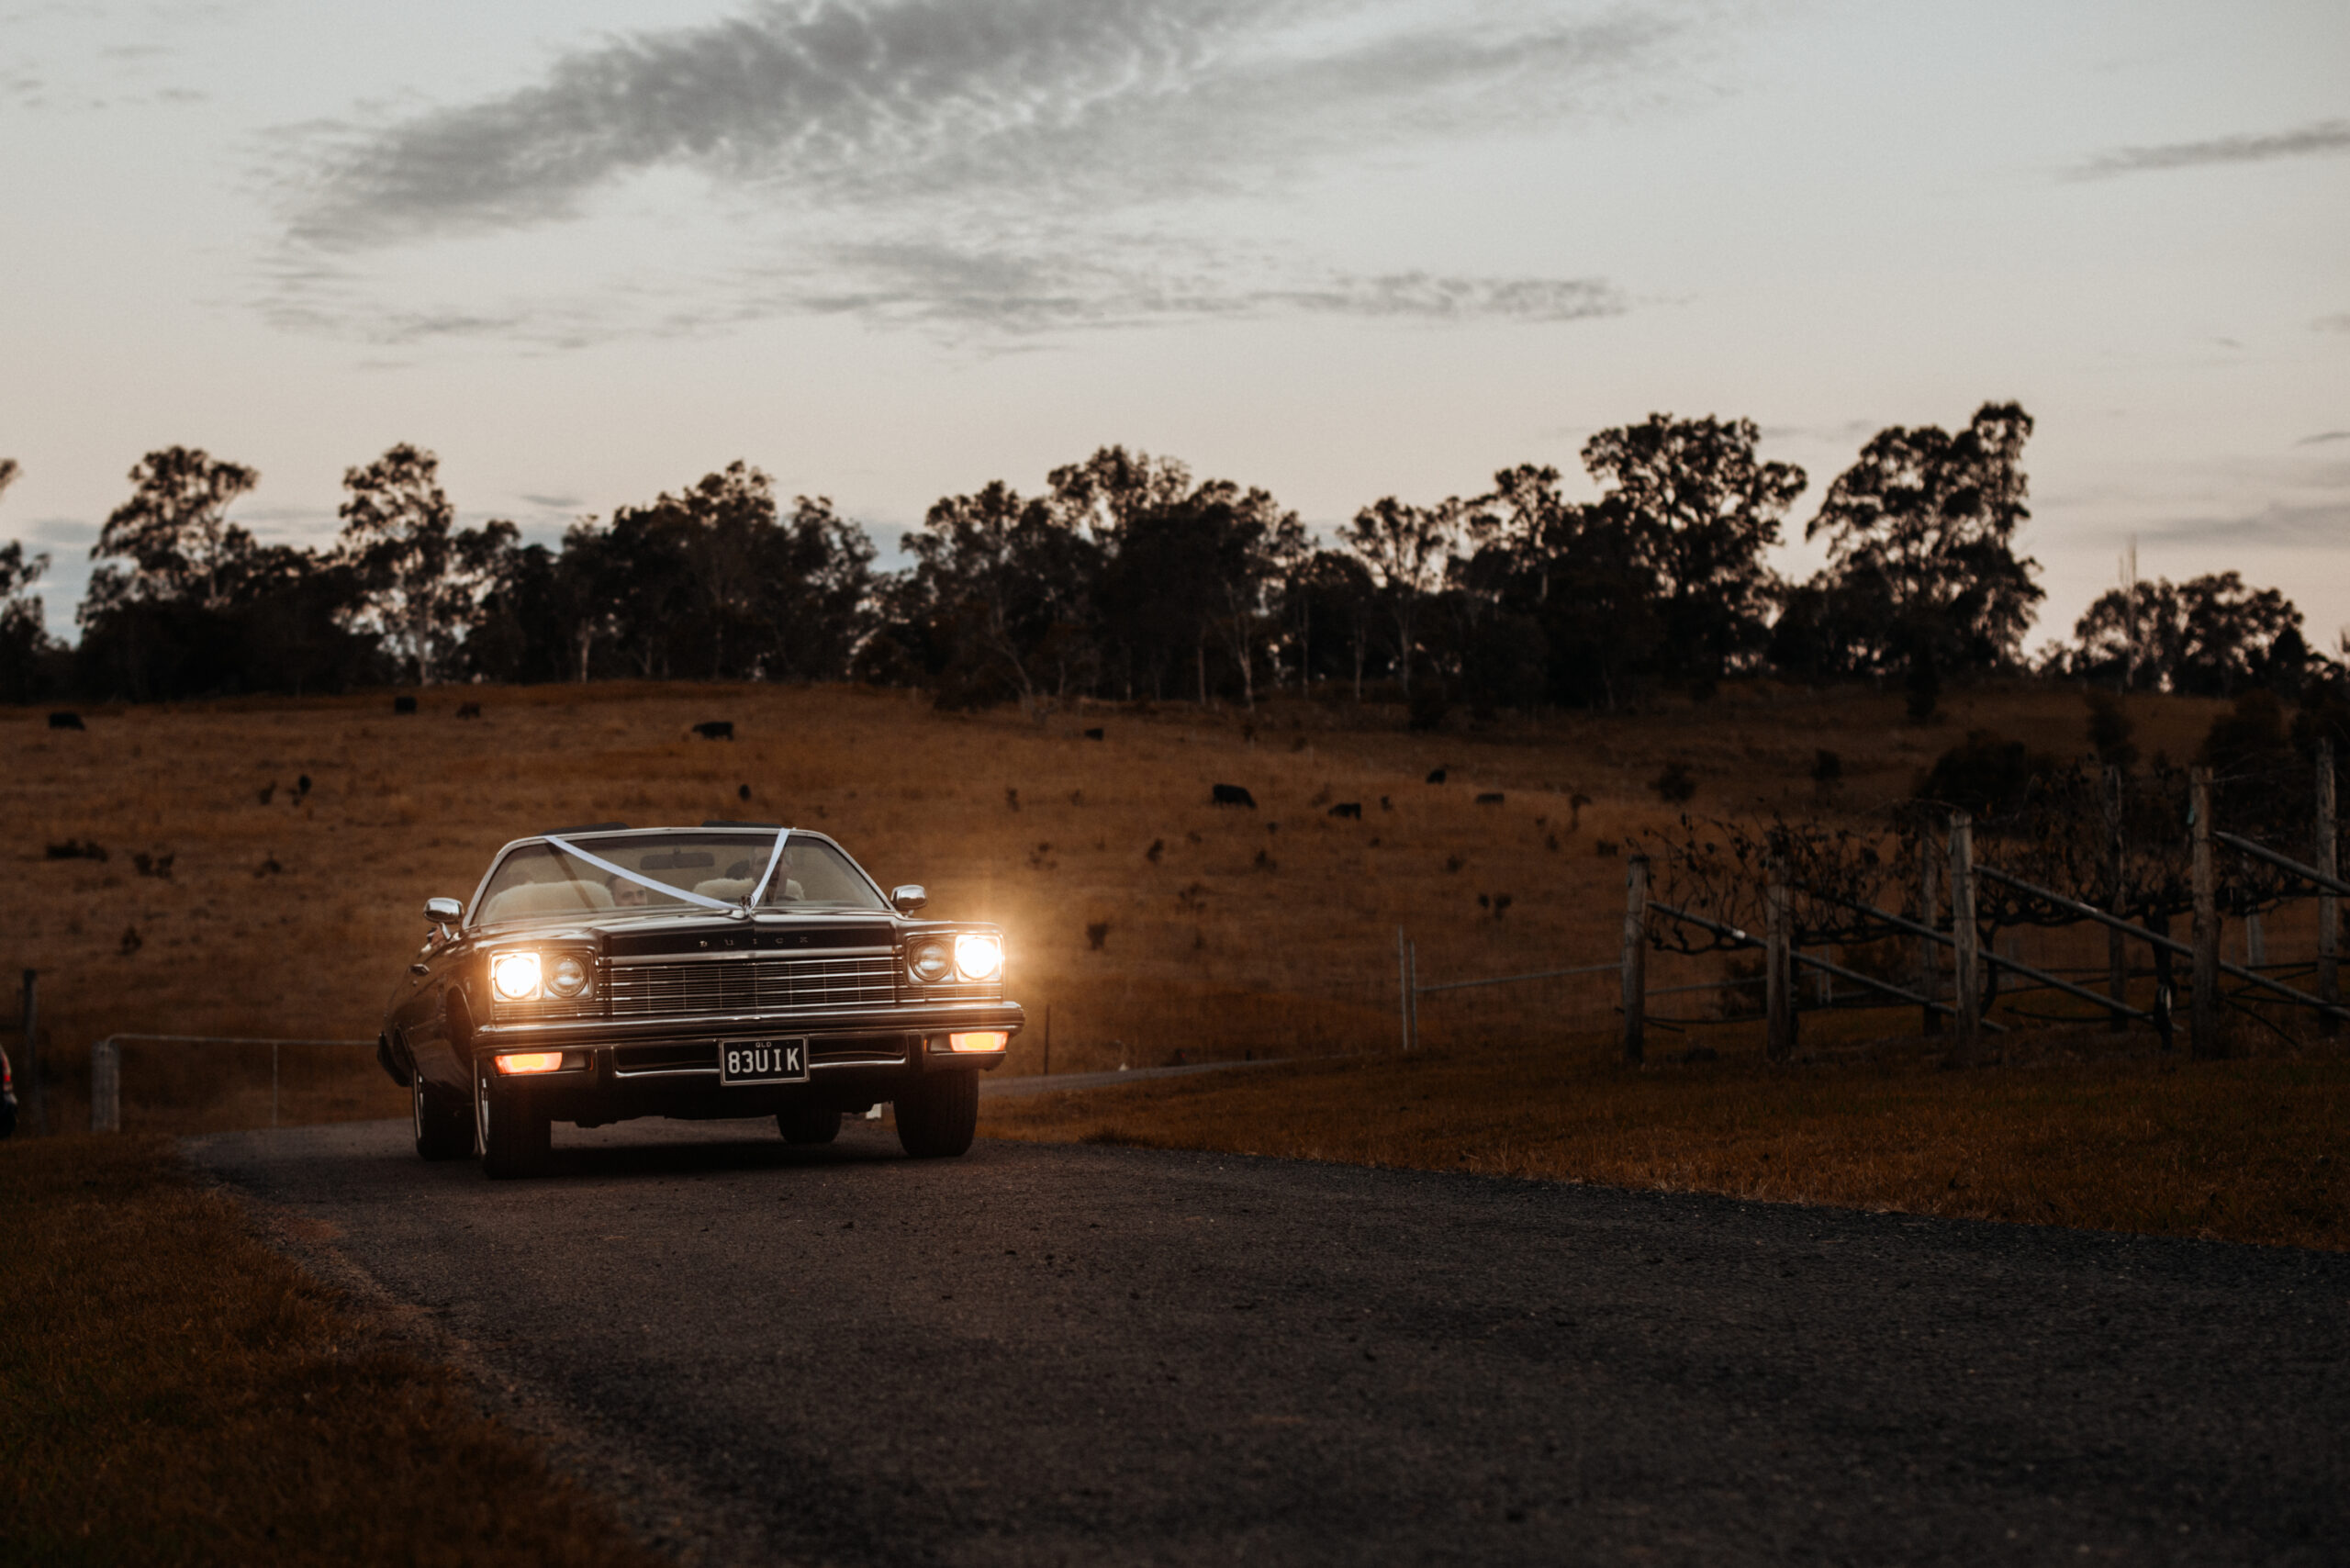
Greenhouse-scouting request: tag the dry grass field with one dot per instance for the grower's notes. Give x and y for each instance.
(300, 1434)
(1154, 926)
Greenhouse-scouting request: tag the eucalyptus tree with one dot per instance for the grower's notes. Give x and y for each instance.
(1409, 548)
(1923, 569)
(1697, 508)
(422, 578)
(175, 532)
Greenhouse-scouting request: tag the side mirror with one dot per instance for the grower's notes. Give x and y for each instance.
(444, 912)
(908, 899)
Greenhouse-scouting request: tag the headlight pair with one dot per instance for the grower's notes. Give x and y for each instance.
(973, 956)
(529, 977)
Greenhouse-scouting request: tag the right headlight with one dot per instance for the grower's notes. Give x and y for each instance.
(979, 956)
(929, 962)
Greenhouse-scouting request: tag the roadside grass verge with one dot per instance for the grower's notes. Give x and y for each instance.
(172, 1391)
(2248, 1149)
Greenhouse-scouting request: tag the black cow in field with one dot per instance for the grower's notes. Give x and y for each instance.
(1436, 775)
(1490, 798)
(64, 721)
(403, 704)
(1348, 809)
(468, 710)
(1095, 735)
(716, 730)
(1230, 795)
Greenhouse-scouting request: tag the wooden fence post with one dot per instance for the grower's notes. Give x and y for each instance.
(1049, 1039)
(1966, 962)
(106, 1087)
(1778, 978)
(1636, 956)
(2329, 903)
(38, 1101)
(2203, 1023)
(2116, 958)
(1403, 991)
(1412, 988)
(1930, 914)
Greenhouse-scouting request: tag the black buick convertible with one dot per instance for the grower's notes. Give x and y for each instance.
(734, 969)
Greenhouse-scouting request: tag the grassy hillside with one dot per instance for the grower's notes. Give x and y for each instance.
(1148, 922)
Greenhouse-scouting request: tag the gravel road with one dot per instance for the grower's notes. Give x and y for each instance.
(1103, 1355)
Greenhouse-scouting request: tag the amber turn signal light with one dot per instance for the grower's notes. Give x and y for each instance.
(980, 1040)
(530, 1061)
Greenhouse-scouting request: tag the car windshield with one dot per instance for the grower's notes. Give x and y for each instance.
(674, 872)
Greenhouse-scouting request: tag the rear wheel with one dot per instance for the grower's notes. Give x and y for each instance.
(938, 1114)
(809, 1124)
(509, 1131)
(443, 1131)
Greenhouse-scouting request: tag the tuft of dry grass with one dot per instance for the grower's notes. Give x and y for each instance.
(172, 1391)
(2240, 1150)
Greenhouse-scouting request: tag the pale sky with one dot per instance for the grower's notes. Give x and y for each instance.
(1342, 249)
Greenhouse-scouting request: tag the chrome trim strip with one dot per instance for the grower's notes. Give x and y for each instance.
(769, 954)
(917, 1019)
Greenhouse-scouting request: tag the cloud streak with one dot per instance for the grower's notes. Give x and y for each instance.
(842, 103)
(872, 127)
(2303, 141)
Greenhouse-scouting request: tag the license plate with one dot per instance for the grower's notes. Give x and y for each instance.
(763, 1061)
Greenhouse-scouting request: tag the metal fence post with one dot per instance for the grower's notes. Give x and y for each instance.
(2203, 1026)
(1778, 980)
(1967, 961)
(2116, 958)
(1636, 956)
(106, 1087)
(2329, 903)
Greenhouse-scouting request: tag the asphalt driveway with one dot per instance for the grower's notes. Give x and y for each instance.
(1103, 1355)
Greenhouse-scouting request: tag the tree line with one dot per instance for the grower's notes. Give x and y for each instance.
(1128, 576)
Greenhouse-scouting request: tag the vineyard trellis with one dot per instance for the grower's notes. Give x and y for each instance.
(2130, 852)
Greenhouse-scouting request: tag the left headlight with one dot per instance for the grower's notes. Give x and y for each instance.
(979, 957)
(515, 975)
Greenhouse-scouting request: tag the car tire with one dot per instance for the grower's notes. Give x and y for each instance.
(938, 1114)
(510, 1133)
(809, 1124)
(443, 1131)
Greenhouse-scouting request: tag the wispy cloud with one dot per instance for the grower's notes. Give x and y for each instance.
(2323, 438)
(873, 125)
(2302, 141)
(2332, 323)
(957, 294)
(2324, 524)
(847, 102)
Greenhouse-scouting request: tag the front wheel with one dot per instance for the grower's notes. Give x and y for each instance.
(443, 1131)
(511, 1132)
(938, 1117)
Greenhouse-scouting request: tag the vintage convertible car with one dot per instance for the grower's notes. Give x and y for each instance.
(732, 970)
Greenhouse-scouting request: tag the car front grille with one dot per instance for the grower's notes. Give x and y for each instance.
(749, 985)
(955, 991)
